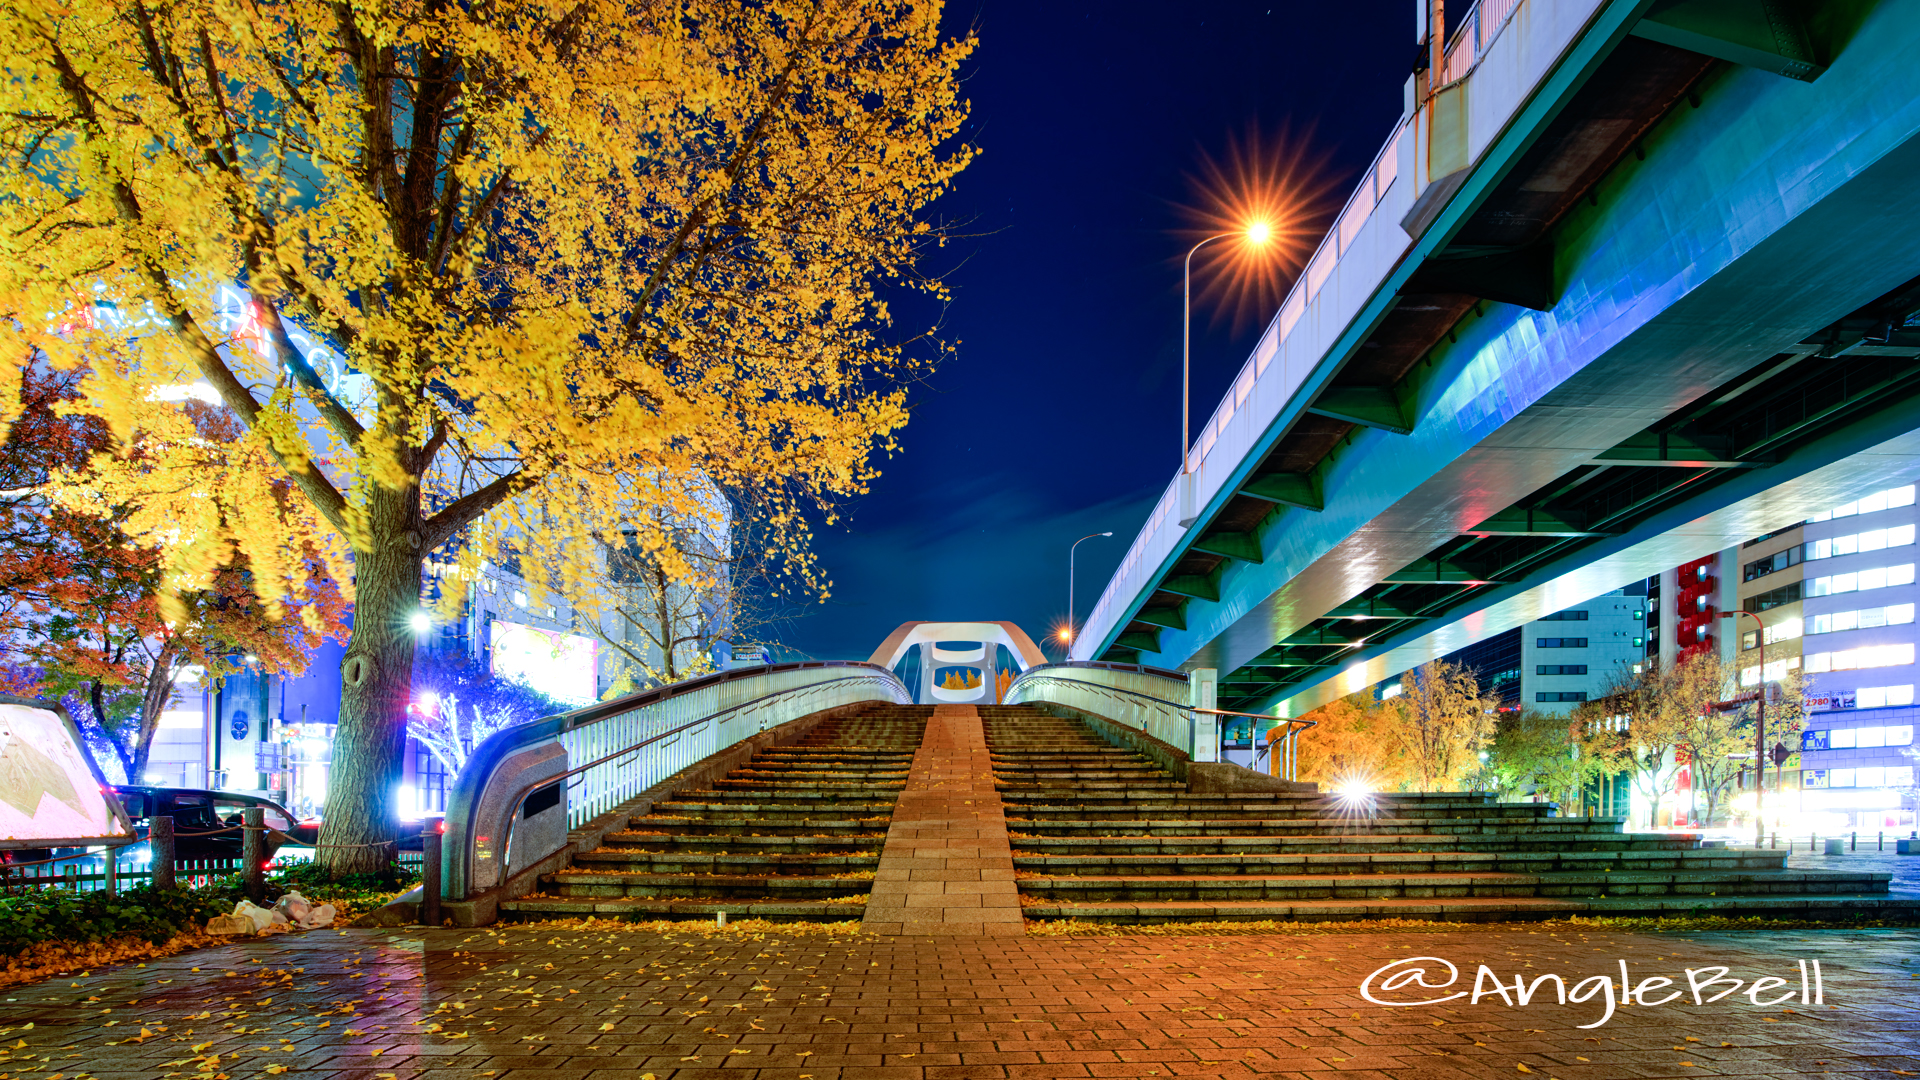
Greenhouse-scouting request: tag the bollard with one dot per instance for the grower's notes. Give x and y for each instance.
(1773, 841)
(430, 875)
(1836, 845)
(253, 852)
(719, 918)
(160, 846)
(1853, 841)
(110, 873)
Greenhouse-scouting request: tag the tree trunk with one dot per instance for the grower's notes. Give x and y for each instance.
(97, 704)
(376, 681)
(154, 702)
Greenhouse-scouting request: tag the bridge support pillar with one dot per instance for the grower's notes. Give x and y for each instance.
(1203, 690)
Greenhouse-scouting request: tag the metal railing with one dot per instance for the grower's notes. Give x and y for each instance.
(1282, 751)
(1142, 698)
(690, 742)
(615, 750)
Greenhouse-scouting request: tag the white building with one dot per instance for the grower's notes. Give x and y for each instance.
(1836, 595)
(1578, 654)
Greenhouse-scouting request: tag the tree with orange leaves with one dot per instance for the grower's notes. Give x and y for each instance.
(80, 603)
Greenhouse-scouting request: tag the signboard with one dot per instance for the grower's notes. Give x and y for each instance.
(565, 667)
(1830, 700)
(49, 793)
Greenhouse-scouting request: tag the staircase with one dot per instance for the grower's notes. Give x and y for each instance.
(1104, 834)
(795, 835)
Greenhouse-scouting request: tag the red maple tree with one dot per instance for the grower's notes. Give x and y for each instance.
(80, 618)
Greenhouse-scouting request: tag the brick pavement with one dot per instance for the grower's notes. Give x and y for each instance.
(551, 1002)
(947, 867)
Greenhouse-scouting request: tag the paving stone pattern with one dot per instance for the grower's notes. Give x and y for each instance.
(947, 867)
(620, 1001)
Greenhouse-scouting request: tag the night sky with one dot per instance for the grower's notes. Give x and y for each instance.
(1059, 416)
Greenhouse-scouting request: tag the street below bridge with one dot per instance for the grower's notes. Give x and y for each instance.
(605, 1001)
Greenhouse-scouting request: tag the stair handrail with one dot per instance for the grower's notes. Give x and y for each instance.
(611, 733)
(520, 801)
(1172, 722)
(1181, 721)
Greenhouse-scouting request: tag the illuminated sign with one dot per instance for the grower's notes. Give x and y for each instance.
(49, 796)
(564, 667)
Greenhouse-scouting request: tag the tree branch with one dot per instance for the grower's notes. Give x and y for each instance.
(467, 509)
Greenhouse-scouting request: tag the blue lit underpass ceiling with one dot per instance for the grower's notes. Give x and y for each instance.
(1649, 296)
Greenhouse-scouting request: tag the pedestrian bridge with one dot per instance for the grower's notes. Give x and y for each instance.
(1083, 791)
(1636, 283)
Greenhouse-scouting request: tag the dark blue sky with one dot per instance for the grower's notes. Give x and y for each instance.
(1060, 414)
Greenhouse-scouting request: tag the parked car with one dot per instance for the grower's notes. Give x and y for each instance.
(198, 811)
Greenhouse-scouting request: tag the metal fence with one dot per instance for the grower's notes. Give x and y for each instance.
(88, 873)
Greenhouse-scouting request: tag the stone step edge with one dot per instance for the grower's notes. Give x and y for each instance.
(1465, 909)
(1630, 877)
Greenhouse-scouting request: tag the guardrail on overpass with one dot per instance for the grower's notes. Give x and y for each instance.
(1502, 55)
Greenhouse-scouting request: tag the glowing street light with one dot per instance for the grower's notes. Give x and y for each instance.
(420, 621)
(1066, 632)
(1256, 234)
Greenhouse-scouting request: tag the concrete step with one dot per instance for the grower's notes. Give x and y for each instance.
(822, 783)
(1126, 810)
(776, 795)
(533, 908)
(721, 843)
(1276, 827)
(1283, 887)
(1401, 862)
(797, 791)
(1476, 909)
(598, 883)
(635, 860)
(800, 810)
(1377, 845)
(717, 825)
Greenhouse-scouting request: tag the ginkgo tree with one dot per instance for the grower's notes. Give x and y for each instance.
(514, 272)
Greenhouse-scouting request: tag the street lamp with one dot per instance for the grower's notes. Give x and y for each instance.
(1760, 723)
(1067, 635)
(1257, 234)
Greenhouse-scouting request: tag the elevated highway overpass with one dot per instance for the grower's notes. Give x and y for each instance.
(1636, 282)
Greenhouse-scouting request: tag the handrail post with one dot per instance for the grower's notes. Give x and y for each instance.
(160, 846)
(253, 851)
(430, 875)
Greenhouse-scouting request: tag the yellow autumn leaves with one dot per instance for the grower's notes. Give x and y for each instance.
(482, 280)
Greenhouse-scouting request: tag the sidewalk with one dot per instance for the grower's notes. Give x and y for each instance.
(539, 1002)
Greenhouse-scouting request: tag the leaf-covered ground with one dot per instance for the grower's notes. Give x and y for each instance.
(798, 1002)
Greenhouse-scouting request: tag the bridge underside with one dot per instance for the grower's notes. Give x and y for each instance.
(1696, 284)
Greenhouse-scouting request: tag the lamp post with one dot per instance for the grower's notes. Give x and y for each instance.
(1070, 553)
(1760, 723)
(1256, 234)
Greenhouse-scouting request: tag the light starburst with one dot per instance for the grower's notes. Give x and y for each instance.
(1280, 193)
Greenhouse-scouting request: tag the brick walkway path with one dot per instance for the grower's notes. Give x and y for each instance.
(947, 867)
(541, 1002)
